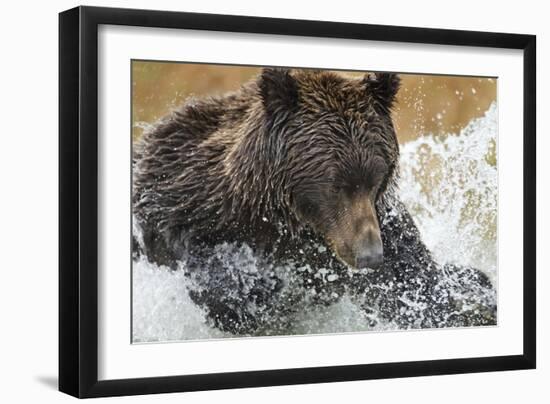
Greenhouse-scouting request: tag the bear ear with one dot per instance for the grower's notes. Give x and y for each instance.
(383, 87)
(278, 89)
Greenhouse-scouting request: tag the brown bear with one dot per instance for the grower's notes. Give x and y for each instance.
(296, 171)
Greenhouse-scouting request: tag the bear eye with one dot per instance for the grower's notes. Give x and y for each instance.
(308, 208)
(336, 187)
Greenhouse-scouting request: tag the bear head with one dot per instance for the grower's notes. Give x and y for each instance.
(335, 141)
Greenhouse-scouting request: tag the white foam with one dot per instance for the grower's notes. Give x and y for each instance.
(450, 186)
(162, 309)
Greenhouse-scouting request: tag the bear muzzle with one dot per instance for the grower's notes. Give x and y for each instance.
(370, 256)
(362, 252)
(355, 237)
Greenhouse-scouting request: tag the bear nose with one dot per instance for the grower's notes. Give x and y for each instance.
(370, 258)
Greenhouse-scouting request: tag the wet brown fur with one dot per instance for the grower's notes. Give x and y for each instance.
(242, 165)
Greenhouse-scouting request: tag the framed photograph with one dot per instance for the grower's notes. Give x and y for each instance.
(250, 201)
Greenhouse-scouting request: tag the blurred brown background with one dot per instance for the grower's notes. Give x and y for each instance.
(426, 103)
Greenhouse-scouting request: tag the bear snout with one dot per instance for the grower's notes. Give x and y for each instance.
(371, 256)
(355, 236)
(364, 250)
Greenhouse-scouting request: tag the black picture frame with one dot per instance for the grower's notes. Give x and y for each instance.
(78, 201)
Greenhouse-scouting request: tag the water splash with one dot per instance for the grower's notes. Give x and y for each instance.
(449, 183)
(450, 186)
(162, 309)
